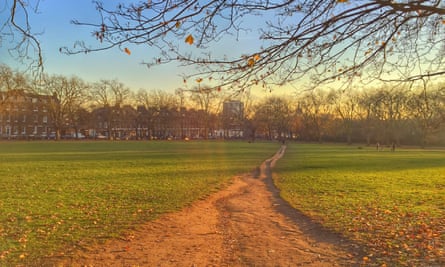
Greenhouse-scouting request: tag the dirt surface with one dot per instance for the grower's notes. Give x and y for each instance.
(245, 224)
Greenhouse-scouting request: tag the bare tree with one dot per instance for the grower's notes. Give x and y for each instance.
(324, 41)
(16, 31)
(345, 106)
(13, 86)
(427, 108)
(11, 80)
(315, 107)
(273, 116)
(68, 94)
(206, 100)
(110, 95)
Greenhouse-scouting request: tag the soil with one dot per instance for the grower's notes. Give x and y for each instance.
(244, 224)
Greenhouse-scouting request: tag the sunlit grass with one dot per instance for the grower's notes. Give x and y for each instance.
(393, 202)
(56, 197)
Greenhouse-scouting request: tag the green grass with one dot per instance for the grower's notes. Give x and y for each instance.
(392, 202)
(56, 197)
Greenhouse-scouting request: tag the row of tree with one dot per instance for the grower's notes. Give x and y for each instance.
(386, 115)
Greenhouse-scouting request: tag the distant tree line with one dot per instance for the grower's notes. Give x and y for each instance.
(400, 115)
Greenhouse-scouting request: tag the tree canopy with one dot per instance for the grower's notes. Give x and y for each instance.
(318, 41)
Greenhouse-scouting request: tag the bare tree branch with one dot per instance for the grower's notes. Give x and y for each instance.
(26, 47)
(314, 40)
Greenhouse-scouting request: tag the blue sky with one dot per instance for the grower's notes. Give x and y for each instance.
(53, 21)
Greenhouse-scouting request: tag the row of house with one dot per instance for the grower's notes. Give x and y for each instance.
(31, 116)
(24, 115)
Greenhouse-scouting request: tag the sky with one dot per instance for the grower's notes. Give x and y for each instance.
(53, 22)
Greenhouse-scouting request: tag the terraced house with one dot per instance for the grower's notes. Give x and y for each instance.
(24, 115)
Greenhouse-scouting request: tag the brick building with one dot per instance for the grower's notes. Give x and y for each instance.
(24, 115)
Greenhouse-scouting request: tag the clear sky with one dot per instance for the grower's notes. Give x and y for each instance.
(53, 21)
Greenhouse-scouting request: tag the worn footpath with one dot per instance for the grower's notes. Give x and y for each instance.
(245, 224)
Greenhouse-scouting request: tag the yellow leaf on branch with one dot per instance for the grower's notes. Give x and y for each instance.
(189, 39)
(126, 50)
(250, 62)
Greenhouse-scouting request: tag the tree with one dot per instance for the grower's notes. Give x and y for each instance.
(65, 105)
(11, 83)
(427, 108)
(367, 117)
(390, 109)
(160, 111)
(16, 30)
(321, 40)
(315, 107)
(345, 106)
(273, 116)
(204, 98)
(324, 41)
(110, 95)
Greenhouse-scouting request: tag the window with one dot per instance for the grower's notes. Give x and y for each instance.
(45, 119)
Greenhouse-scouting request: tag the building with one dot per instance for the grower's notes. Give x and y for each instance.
(24, 115)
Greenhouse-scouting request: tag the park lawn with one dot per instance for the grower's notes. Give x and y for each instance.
(392, 202)
(56, 197)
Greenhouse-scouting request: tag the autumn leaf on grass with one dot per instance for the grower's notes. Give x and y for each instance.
(189, 39)
(126, 50)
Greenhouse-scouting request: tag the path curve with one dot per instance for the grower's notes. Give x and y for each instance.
(245, 224)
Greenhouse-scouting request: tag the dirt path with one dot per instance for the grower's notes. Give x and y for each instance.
(246, 224)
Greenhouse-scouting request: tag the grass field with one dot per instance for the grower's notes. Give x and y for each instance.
(392, 202)
(56, 197)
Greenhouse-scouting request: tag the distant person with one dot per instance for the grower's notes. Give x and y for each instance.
(377, 146)
(393, 147)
